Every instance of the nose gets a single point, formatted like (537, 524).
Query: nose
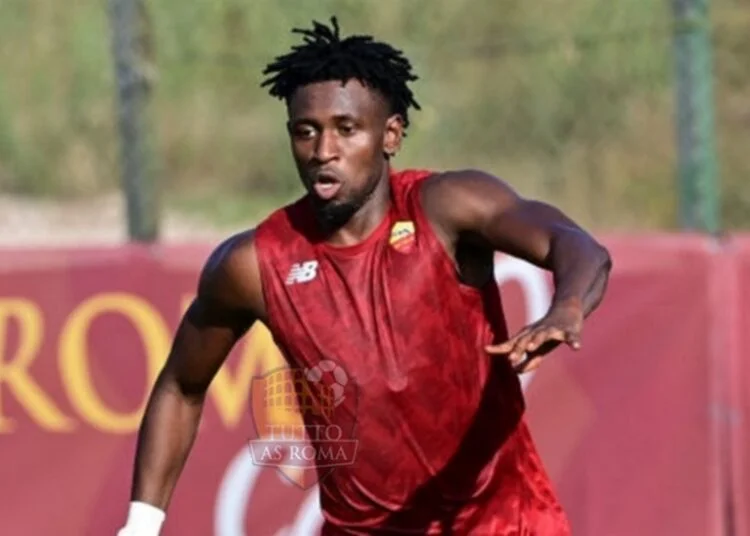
(326, 148)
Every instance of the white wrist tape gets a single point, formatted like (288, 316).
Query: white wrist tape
(143, 520)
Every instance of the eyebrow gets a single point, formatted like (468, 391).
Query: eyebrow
(336, 118)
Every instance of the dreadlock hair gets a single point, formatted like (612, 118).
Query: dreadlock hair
(325, 56)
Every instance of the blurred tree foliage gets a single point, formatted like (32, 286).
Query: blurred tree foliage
(570, 101)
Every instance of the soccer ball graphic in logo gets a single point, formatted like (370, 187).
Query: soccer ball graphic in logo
(332, 376)
(303, 427)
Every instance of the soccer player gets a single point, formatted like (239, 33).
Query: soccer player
(389, 274)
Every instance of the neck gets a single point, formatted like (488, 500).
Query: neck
(367, 218)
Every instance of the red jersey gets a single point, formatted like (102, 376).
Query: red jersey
(442, 446)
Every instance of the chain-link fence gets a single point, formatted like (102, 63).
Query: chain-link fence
(572, 102)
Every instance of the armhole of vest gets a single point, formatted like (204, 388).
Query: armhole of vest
(434, 238)
(264, 276)
(489, 292)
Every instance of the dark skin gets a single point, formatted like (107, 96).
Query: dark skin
(348, 134)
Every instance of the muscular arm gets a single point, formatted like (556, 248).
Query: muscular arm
(485, 211)
(228, 301)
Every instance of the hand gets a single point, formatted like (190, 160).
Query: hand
(563, 323)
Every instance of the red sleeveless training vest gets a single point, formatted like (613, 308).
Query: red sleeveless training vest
(441, 444)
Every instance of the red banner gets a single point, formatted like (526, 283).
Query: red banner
(625, 426)
(736, 419)
(642, 430)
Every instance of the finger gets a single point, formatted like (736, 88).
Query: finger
(541, 337)
(573, 338)
(507, 346)
(519, 351)
(503, 348)
(545, 348)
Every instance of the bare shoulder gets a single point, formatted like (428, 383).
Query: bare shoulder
(473, 178)
(231, 277)
(460, 199)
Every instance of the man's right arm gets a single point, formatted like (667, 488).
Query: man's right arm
(228, 301)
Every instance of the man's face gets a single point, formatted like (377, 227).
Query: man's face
(340, 136)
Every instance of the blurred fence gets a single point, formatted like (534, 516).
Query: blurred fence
(571, 102)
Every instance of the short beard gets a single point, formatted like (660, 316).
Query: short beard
(333, 216)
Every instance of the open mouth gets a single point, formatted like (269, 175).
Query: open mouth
(326, 186)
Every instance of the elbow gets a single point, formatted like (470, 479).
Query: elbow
(179, 386)
(599, 260)
(603, 259)
(584, 247)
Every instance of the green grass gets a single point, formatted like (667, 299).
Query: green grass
(571, 101)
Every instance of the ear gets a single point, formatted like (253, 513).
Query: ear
(394, 133)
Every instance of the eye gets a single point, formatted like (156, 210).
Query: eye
(304, 132)
(347, 129)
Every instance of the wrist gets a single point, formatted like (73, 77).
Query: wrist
(143, 520)
(566, 302)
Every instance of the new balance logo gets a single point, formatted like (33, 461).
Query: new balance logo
(302, 272)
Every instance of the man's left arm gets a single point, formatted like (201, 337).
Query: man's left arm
(481, 209)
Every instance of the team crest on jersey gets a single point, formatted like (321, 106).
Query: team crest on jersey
(403, 237)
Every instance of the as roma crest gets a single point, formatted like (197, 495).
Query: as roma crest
(304, 420)
(403, 237)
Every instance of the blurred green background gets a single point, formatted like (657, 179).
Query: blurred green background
(570, 101)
